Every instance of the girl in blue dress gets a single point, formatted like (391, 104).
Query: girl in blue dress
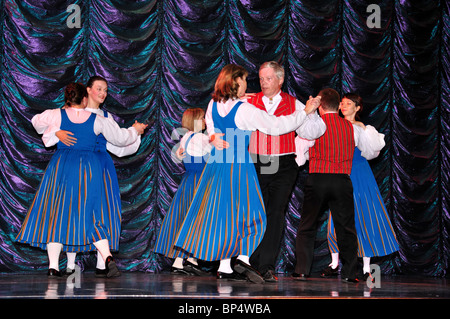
(65, 213)
(376, 236)
(227, 217)
(196, 147)
(97, 89)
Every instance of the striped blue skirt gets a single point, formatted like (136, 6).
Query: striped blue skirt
(376, 236)
(66, 207)
(176, 214)
(110, 213)
(227, 216)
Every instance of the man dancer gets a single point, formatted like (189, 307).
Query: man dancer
(329, 186)
(274, 158)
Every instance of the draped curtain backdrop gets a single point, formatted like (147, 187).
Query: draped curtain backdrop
(161, 57)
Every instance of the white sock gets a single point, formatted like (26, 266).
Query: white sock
(193, 260)
(53, 251)
(366, 265)
(244, 258)
(71, 260)
(100, 261)
(334, 260)
(178, 263)
(225, 266)
(103, 247)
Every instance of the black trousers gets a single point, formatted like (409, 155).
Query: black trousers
(277, 176)
(333, 191)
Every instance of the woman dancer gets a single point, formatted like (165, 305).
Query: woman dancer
(196, 148)
(375, 234)
(226, 217)
(65, 213)
(97, 89)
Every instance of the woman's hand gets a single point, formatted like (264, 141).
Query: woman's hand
(66, 137)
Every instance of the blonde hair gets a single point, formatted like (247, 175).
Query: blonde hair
(190, 116)
(226, 86)
(278, 69)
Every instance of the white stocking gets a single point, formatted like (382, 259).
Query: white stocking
(53, 251)
(71, 260)
(225, 266)
(103, 247)
(334, 260)
(100, 261)
(366, 265)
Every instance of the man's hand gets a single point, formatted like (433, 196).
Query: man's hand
(312, 104)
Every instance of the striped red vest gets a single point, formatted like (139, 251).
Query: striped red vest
(333, 151)
(264, 144)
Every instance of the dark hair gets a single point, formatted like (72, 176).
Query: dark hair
(330, 99)
(355, 98)
(94, 78)
(226, 86)
(74, 94)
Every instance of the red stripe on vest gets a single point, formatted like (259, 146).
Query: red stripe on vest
(333, 151)
(264, 144)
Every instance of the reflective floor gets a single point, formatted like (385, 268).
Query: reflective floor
(167, 286)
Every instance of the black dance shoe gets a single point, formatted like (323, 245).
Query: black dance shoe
(100, 273)
(111, 267)
(53, 273)
(194, 269)
(299, 277)
(179, 271)
(329, 272)
(350, 280)
(234, 276)
(69, 272)
(269, 276)
(248, 271)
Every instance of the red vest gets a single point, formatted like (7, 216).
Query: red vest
(333, 151)
(264, 144)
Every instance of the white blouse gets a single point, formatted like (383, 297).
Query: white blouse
(49, 122)
(249, 117)
(369, 141)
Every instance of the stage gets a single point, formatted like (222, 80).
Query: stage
(139, 285)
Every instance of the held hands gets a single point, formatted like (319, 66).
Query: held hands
(66, 137)
(140, 127)
(312, 104)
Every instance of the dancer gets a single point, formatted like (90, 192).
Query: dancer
(226, 217)
(196, 148)
(276, 184)
(97, 89)
(329, 185)
(374, 231)
(65, 213)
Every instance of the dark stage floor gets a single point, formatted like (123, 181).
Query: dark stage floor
(167, 286)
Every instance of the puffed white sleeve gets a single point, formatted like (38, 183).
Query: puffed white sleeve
(370, 141)
(113, 133)
(302, 147)
(121, 151)
(313, 127)
(249, 117)
(48, 123)
(208, 119)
